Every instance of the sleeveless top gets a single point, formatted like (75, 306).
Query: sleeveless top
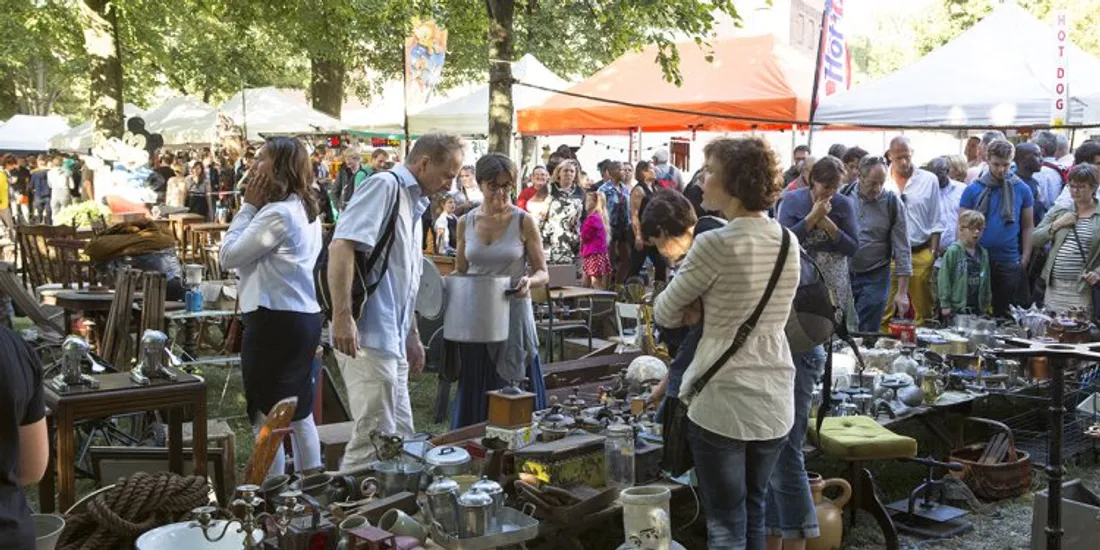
(645, 200)
(506, 256)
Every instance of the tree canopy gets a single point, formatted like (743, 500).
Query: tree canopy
(333, 48)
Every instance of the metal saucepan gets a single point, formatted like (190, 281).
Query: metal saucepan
(477, 308)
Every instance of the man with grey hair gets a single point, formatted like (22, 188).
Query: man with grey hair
(668, 176)
(1007, 204)
(920, 191)
(1062, 153)
(1049, 177)
(380, 346)
(987, 138)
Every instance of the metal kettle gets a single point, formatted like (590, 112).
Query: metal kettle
(476, 509)
(443, 504)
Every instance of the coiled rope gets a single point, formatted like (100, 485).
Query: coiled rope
(118, 516)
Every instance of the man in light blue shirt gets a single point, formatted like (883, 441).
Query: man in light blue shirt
(382, 347)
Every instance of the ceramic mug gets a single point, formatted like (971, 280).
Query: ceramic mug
(646, 517)
(402, 525)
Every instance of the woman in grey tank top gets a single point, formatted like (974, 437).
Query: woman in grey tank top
(498, 238)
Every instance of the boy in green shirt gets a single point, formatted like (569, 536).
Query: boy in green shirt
(964, 279)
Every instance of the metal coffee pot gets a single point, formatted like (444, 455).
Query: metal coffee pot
(443, 504)
(476, 509)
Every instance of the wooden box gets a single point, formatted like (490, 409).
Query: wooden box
(511, 410)
(574, 459)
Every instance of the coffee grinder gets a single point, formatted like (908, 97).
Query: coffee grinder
(153, 360)
(74, 350)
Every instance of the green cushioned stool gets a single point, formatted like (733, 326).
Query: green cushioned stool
(855, 439)
(858, 438)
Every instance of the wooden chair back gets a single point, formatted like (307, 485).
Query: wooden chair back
(41, 265)
(75, 270)
(154, 288)
(117, 347)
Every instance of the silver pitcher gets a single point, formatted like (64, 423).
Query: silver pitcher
(476, 509)
(494, 490)
(443, 504)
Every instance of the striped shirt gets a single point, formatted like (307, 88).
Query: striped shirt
(1068, 264)
(751, 398)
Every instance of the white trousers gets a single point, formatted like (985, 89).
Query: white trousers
(378, 395)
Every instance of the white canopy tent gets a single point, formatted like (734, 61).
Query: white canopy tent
(270, 111)
(998, 73)
(30, 134)
(469, 114)
(79, 138)
(183, 120)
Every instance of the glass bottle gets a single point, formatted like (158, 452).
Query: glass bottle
(618, 453)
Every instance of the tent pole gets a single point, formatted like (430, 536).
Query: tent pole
(244, 114)
(405, 92)
(817, 71)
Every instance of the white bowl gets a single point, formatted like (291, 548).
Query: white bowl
(181, 536)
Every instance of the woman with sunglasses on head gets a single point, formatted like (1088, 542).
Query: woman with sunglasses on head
(273, 245)
(498, 238)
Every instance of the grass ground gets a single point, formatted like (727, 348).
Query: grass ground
(1004, 525)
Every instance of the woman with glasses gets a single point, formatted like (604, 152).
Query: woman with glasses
(1073, 264)
(498, 238)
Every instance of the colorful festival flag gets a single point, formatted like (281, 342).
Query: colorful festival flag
(836, 59)
(425, 52)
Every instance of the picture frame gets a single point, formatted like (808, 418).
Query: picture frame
(111, 463)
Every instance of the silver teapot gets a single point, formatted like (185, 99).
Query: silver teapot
(443, 504)
(476, 509)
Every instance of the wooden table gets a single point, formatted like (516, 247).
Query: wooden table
(116, 395)
(98, 303)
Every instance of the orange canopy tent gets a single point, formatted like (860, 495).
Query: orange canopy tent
(763, 84)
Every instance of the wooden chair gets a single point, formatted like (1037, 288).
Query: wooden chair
(75, 271)
(553, 317)
(39, 265)
(50, 324)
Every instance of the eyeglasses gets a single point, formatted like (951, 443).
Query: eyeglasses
(494, 188)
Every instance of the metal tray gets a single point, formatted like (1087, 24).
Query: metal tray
(516, 528)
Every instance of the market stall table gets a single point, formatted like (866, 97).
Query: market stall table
(117, 394)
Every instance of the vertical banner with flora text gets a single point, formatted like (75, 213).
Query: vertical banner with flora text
(836, 60)
(1059, 106)
(425, 52)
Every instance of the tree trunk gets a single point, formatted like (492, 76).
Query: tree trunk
(105, 66)
(326, 85)
(528, 153)
(501, 50)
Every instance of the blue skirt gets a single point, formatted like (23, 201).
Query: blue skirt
(479, 375)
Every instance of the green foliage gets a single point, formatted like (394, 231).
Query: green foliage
(890, 45)
(41, 59)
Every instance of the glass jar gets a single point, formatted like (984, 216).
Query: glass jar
(618, 455)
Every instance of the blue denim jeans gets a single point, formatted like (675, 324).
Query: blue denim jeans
(870, 291)
(733, 479)
(790, 506)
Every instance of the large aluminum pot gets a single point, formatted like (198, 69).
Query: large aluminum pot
(477, 309)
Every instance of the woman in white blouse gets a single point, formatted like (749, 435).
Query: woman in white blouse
(273, 245)
(743, 414)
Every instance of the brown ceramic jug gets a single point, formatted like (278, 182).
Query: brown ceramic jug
(829, 512)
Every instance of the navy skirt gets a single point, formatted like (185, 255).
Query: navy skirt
(277, 356)
(479, 375)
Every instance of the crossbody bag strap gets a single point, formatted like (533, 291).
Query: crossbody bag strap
(747, 327)
(1077, 239)
(385, 243)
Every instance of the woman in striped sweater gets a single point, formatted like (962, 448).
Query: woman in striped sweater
(742, 416)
